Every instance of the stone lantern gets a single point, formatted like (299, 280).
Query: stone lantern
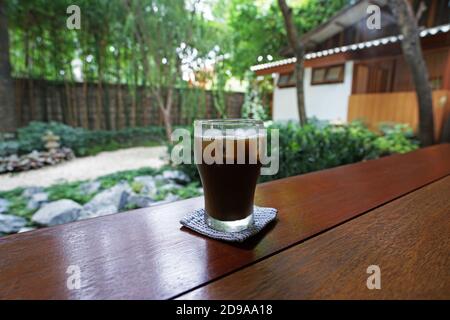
(51, 141)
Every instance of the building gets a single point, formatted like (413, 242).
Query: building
(353, 72)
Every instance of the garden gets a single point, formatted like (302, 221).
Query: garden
(315, 146)
(28, 149)
(109, 88)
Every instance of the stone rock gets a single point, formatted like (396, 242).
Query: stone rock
(144, 179)
(90, 187)
(34, 160)
(138, 201)
(4, 205)
(57, 212)
(26, 229)
(170, 186)
(37, 200)
(169, 198)
(103, 211)
(176, 176)
(149, 185)
(115, 197)
(30, 191)
(10, 223)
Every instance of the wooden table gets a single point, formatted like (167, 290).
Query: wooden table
(393, 212)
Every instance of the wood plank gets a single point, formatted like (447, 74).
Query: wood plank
(407, 238)
(146, 254)
(399, 107)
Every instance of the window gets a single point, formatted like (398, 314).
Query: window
(286, 80)
(327, 75)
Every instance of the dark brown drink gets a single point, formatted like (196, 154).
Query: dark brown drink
(229, 188)
(229, 162)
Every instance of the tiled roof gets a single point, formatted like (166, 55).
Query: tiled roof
(352, 47)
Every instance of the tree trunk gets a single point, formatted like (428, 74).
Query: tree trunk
(445, 135)
(165, 108)
(99, 115)
(414, 59)
(167, 116)
(119, 102)
(167, 123)
(31, 114)
(76, 114)
(144, 39)
(299, 51)
(7, 112)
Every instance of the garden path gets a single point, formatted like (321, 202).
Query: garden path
(88, 167)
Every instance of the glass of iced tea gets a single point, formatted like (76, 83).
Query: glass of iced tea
(228, 157)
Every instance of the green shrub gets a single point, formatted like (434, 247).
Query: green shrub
(68, 191)
(30, 137)
(102, 140)
(137, 186)
(189, 191)
(8, 147)
(318, 146)
(396, 138)
(18, 204)
(83, 142)
(111, 180)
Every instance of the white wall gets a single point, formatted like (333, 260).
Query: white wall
(324, 101)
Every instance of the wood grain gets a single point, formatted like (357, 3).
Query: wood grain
(146, 254)
(408, 238)
(399, 107)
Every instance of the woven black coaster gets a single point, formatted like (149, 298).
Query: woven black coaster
(261, 217)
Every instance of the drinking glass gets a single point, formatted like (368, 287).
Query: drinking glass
(227, 154)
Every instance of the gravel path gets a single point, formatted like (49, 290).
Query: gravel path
(87, 167)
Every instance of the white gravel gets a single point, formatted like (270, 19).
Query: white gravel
(88, 167)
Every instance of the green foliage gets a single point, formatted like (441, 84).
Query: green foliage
(8, 147)
(253, 107)
(18, 204)
(83, 142)
(396, 138)
(255, 32)
(102, 140)
(111, 180)
(116, 37)
(189, 191)
(68, 191)
(137, 186)
(71, 190)
(193, 103)
(259, 30)
(30, 137)
(318, 146)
